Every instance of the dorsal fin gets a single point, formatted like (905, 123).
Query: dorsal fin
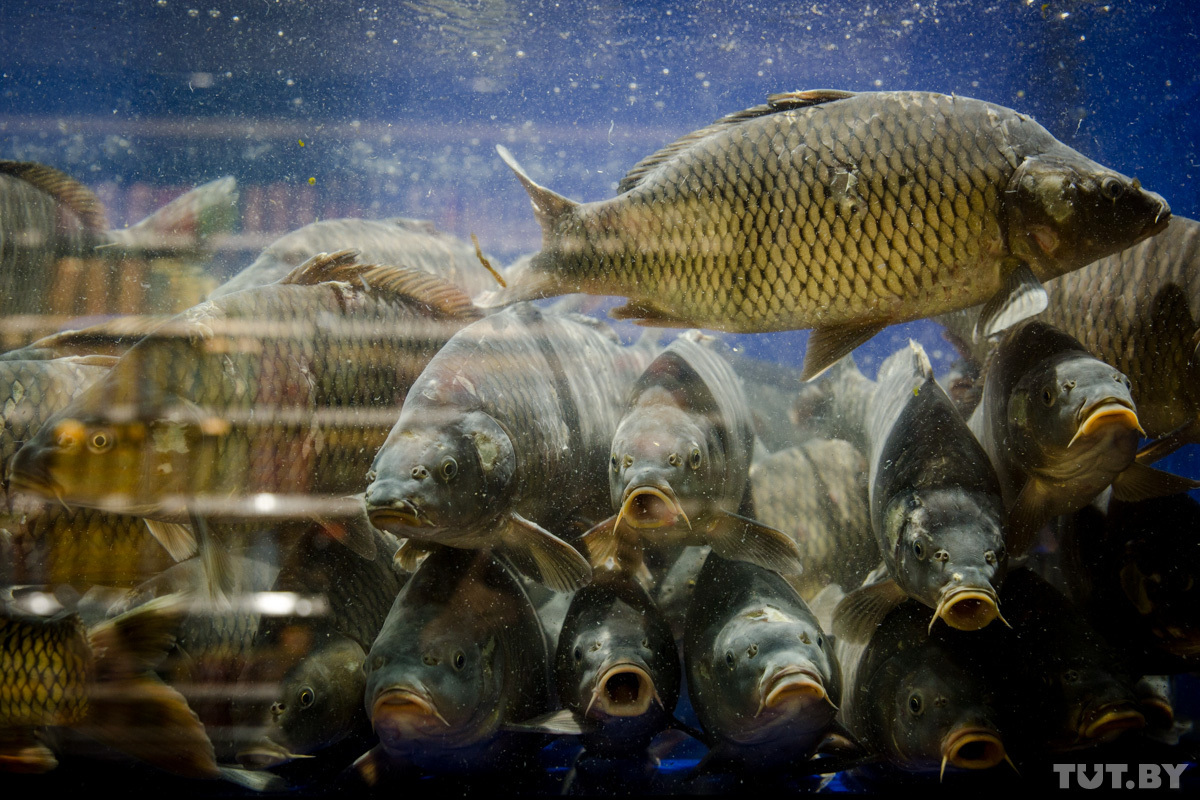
(775, 103)
(439, 296)
(63, 188)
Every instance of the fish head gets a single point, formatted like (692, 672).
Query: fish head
(662, 472)
(773, 672)
(1092, 703)
(616, 658)
(438, 687)
(950, 553)
(319, 698)
(455, 475)
(1071, 413)
(1064, 211)
(933, 711)
(119, 457)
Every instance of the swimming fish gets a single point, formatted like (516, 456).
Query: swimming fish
(761, 673)
(917, 699)
(267, 403)
(56, 246)
(1059, 427)
(1139, 311)
(679, 466)
(835, 405)
(460, 655)
(505, 437)
(843, 212)
(936, 506)
(616, 665)
(816, 493)
(410, 242)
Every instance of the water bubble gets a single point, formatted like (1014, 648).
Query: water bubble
(193, 12)
(214, 13)
(162, 3)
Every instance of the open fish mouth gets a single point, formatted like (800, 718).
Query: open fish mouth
(651, 507)
(624, 690)
(401, 514)
(794, 686)
(403, 708)
(1112, 720)
(972, 747)
(968, 609)
(1110, 412)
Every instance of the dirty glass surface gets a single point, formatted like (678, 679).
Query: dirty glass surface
(211, 482)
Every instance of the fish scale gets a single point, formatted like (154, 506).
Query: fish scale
(45, 668)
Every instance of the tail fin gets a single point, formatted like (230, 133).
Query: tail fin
(186, 222)
(548, 207)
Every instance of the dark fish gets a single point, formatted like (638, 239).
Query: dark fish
(460, 655)
(835, 405)
(673, 593)
(816, 493)
(268, 403)
(761, 673)
(919, 700)
(1059, 426)
(679, 468)
(1138, 310)
(506, 431)
(935, 503)
(410, 242)
(55, 245)
(616, 666)
(843, 212)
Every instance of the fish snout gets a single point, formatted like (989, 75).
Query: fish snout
(29, 471)
(792, 686)
(404, 713)
(1108, 721)
(972, 747)
(651, 505)
(1111, 414)
(968, 603)
(624, 690)
(390, 507)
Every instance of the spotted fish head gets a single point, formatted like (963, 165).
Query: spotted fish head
(663, 473)
(1064, 211)
(950, 553)
(455, 475)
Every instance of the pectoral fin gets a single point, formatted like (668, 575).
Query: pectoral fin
(542, 556)
(410, 554)
(827, 346)
(602, 542)
(1140, 482)
(1021, 297)
(20, 751)
(861, 611)
(178, 540)
(741, 539)
(650, 314)
(1189, 433)
(1029, 513)
(558, 723)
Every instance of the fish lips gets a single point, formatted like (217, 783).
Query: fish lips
(972, 747)
(793, 687)
(29, 471)
(1109, 721)
(968, 608)
(625, 689)
(649, 506)
(400, 714)
(1104, 416)
(397, 516)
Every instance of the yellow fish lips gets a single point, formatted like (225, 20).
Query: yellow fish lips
(400, 714)
(647, 507)
(1106, 415)
(624, 690)
(972, 747)
(792, 686)
(400, 514)
(1113, 720)
(968, 608)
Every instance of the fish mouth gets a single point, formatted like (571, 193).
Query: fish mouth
(624, 690)
(403, 709)
(1157, 711)
(1101, 415)
(646, 507)
(968, 609)
(972, 747)
(794, 686)
(1111, 721)
(400, 514)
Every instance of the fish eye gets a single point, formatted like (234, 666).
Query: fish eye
(306, 697)
(820, 641)
(916, 704)
(1112, 189)
(674, 460)
(752, 650)
(729, 658)
(1047, 397)
(578, 654)
(449, 469)
(100, 441)
(460, 660)
(919, 549)
(615, 465)
(694, 458)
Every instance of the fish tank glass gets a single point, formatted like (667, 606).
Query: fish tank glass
(434, 392)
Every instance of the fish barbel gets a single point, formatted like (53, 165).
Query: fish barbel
(842, 212)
